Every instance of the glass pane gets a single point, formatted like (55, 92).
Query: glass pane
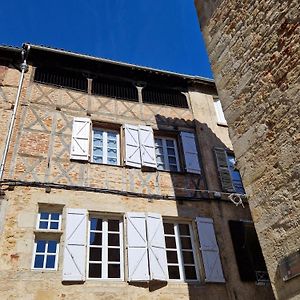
(168, 228)
(95, 254)
(95, 270)
(44, 215)
(184, 229)
(98, 160)
(112, 152)
(172, 160)
(96, 224)
(186, 243)
(113, 271)
(98, 134)
(50, 262)
(190, 272)
(55, 216)
(158, 142)
(39, 261)
(97, 151)
(174, 272)
(170, 143)
(111, 135)
(112, 144)
(160, 166)
(160, 159)
(112, 161)
(113, 239)
(159, 151)
(113, 225)
(173, 168)
(52, 246)
(170, 242)
(172, 257)
(40, 246)
(188, 257)
(43, 225)
(54, 225)
(171, 151)
(113, 254)
(95, 238)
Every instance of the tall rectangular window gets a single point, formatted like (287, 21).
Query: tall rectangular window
(45, 255)
(219, 111)
(166, 154)
(106, 148)
(235, 174)
(105, 255)
(180, 252)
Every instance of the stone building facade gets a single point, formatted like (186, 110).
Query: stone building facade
(254, 52)
(117, 184)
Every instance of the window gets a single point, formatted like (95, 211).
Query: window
(49, 220)
(166, 154)
(235, 174)
(106, 147)
(45, 255)
(105, 255)
(180, 252)
(219, 111)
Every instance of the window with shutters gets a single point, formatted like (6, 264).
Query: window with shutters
(106, 148)
(181, 258)
(166, 154)
(105, 248)
(235, 174)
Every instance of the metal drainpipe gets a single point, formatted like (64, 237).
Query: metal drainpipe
(24, 69)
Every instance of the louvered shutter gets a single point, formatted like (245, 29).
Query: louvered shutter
(132, 149)
(80, 139)
(137, 247)
(209, 250)
(157, 248)
(75, 245)
(190, 152)
(146, 138)
(223, 169)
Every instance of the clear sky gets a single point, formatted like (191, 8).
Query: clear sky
(161, 34)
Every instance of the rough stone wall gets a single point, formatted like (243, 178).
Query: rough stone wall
(254, 51)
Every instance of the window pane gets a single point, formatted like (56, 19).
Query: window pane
(95, 254)
(184, 229)
(170, 143)
(186, 243)
(112, 144)
(113, 225)
(173, 168)
(171, 151)
(95, 238)
(158, 142)
(188, 257)
(98, 160)
(96, 224)
(172, 160)
(170, 242)
(55, 216)
(168, 228)
(95, 270)
(52, 246)
(113, 254)
(113, 239)
(112, 161)
(172, 257)
(43, 225)
(112, 135)
(44, 215)
(97, 151)
(50, 262)
(39, 261)
(160, 159)
(40, 246)
(190, 272)
(54, 225)
(113, 271)
(174, 272)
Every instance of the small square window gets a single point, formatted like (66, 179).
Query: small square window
(45, 255)
(49, 220)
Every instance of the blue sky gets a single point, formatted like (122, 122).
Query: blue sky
(162, 34)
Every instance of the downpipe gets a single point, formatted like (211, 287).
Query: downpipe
(24, 69)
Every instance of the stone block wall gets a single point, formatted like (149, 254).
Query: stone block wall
(254, 51)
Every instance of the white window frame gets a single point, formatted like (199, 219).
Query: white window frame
(45, 254)
(219, 112)
(165, 153)
(105, 246)
(104, 150)
(179, 250)
(48, 220)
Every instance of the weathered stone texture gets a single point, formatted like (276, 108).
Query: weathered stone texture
(254, 50)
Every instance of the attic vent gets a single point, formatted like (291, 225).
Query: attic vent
(67, 79)
(115, 89)
(164, 97)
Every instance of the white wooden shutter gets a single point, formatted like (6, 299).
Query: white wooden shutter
(75, 245)
(80, 139)
(157, 248)
(132, 150)
(190, 152)
(223, 169)
(147, 145)
(137, 247)
(210, 250)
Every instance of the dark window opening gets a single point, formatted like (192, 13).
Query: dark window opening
(164, 97)
(115, 89)
(249, 257)
(67, 79)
